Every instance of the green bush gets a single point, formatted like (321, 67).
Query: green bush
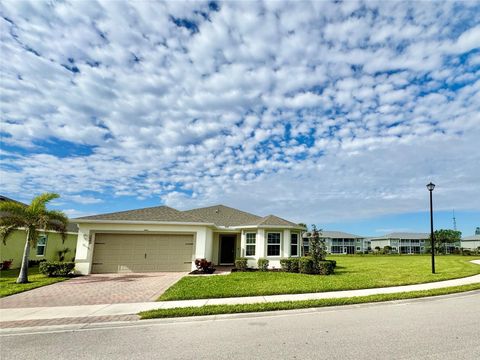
(52, 269)
(262, 264)
(334, 263)
(241, 264)
(289, 265)
(306, 265)
(325, 267)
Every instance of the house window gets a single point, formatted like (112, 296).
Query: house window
(41, 244)
(273, 244)
(306, 246)
(359, 248)
(294, 245)
(250, 246)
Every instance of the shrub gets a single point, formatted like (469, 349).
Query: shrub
(289, 265)
(61, 254)
(262, 264)
(32, 263)
(204, 265)
(306, 265)
(334, 263)
(52, 269)
(325, 267)
(6, 264)
(241, 264)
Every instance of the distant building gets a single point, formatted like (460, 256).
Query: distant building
(477, 231)
(402, 242)
(471, 242)
(338, 242)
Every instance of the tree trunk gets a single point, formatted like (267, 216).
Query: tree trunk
(23, 276)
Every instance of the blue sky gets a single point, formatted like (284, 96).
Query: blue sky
(334, 113)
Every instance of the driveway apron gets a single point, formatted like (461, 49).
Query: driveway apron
(96, 289)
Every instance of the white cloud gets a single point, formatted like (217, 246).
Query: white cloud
(313, 111)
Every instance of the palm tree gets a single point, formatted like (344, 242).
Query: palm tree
(33, 218)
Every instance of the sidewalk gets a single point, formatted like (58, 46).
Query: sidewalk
(89, 313)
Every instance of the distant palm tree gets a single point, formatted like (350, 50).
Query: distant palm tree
(33, 218)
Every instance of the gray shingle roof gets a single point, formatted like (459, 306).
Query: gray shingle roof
(272, 220)
(404, 235)
(156, 213)
(222, 215)
(339, 235)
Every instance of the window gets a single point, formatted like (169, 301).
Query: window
(41, 244)
(294, 245)
(306, 246)
(359, 248)
(273, 244)
(251, 239)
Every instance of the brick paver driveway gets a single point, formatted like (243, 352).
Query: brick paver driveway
(96, 289)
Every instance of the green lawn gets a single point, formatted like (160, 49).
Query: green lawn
(302, 304)
(352, 272)
(9, 287)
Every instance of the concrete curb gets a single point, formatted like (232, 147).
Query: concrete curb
(20, 314)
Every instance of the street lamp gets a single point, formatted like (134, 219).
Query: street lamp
(430, 188)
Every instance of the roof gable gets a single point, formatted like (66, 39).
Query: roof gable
(222, 215)
(272, 220)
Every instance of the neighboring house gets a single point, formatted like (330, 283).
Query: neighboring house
(403, 243)
(49, 244)
(338, 242)
(165, 239)
(471, 242)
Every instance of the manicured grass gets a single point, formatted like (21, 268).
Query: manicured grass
(352, 272)
(304, 304)
(9, 287)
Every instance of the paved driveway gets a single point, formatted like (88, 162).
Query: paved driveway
(96, 289)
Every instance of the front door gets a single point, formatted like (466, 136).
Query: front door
(227, 249)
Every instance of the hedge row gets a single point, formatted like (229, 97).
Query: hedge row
(306, 265)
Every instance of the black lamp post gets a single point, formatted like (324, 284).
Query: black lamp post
(430, 188)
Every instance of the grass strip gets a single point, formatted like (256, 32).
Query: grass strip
(302, 304)
(352, 272)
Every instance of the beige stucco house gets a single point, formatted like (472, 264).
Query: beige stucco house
(165, 239)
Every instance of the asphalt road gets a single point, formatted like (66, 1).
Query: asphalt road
(435, 328)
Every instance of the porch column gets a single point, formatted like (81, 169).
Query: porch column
(260, 243)
(243, 243)
(286, 243)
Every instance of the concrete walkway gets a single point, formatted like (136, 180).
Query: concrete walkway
(112, 310)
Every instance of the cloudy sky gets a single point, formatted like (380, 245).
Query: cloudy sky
(330, 113)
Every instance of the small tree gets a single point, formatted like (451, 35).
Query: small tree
(33, 218)
(445, 237)
(317, 246)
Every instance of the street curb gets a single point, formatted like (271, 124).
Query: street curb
(220, 317)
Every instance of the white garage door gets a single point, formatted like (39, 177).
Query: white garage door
(115, 253)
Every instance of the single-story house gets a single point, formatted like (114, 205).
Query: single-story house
(162, 238)
(49, 244)
(471, 242)
(402, 242)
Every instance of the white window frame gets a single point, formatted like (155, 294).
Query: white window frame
(247, 244)
(41, 246)
(279, 244)
(297, 244)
